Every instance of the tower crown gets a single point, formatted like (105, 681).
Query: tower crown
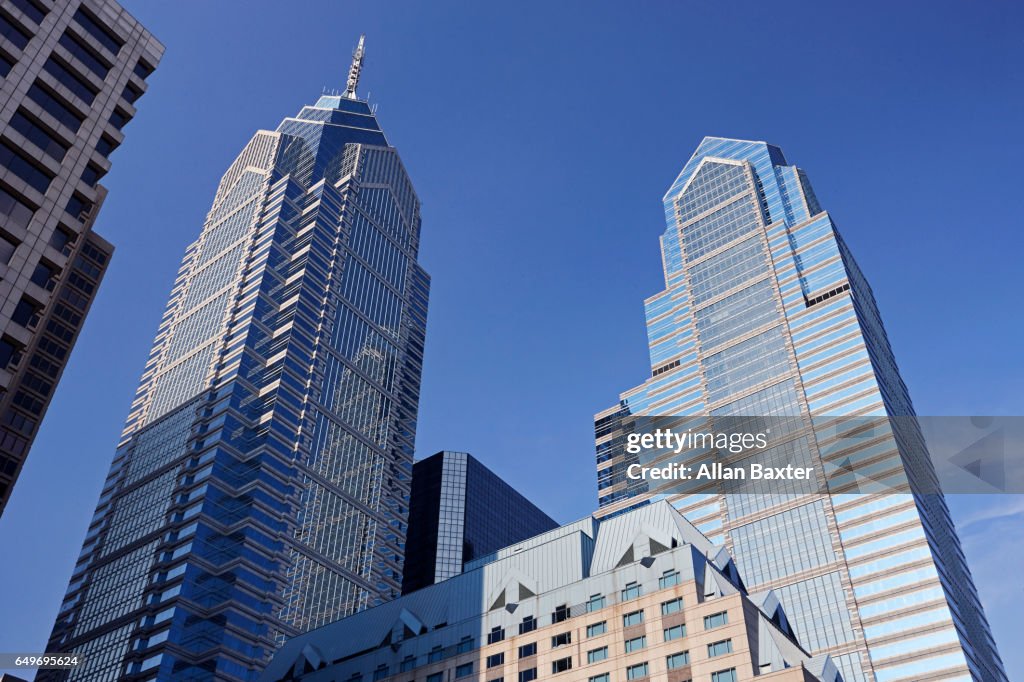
(356, 69)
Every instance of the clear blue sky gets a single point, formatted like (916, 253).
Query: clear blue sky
(541, 137)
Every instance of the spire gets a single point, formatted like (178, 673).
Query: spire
(355, 69)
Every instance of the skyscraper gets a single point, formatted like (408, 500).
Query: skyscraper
(71, 75)
(261, 485)
(765, 312)
(460, 511)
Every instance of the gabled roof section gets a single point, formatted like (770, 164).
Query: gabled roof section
(723, 148)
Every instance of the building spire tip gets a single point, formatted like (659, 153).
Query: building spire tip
(356, 69)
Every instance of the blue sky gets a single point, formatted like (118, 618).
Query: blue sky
(541, 137)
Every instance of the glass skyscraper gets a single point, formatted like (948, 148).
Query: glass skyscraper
(459, 512)
(765, 312)
(71, 75)
(260, 488)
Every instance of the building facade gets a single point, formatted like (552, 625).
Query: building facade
(460, 511)
(765, 313)
(72, 73)
(261, 485)
(642, 596)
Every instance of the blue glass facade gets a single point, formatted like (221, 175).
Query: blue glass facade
(261, 485)
(765, 313)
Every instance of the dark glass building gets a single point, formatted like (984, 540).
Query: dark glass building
(460, 511)
(260, 488)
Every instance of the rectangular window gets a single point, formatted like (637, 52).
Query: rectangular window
(105, 36)
(142, 70)
(595, 602)
(716, 620)
(725, 676)
(494, 660)
(25, 313)
(34, 177)
(14, 210)
(672, 606)
(435, 655)
(634, 618)
(436, 677)
(528, 650)
(720, 648)
(529, 624)
(118, 119)
(603, 677)
(54, 107)
(30, 9)
(70, 80)
(675, 632)
(466, 644)
(131, 93)
(631, 591)
(407, 664)
(636, 644)
(668, 579)
(92, 174)
(7, 247)
(636, 672)
(678, 660)
(561, 665)
(595, 655)
(496, 634)
(596, 629)
(84, 54)
(39, 136)
(13, 33)
(380, 673)
(561, 640)
(464, 670)
(528, 675)
(560, 614)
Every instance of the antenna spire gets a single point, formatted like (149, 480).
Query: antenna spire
(355, 69)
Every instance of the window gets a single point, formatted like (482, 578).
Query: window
(118, 119)
(54, 107)
(675, 632)
(720, 648)
(603, 677)
(716, 620)
(466, 644)
(529, 624)
(30, 9)
(668, 579)
(142, 70)
(631, 591)
(105, 146)
(92, 174)
(13, 33)
(39, 136)
(435, 654)
(595, 602)
(34, 177)
(407, 664)
(528, 675)
(528, 650)
(7, 247)
(561, 665)
(79, 207)
(561, 640)
(84, 54)
(25, 313)
(101, 33)
(436, 677)
(560, 614)
(634, 618)
(597, 629)
(494, 660)
(70, 80)
(672, 606)
(636, 644)
(7, 352)
(380, 673)
(496, 634)
(635, 672)
(725, 676)
(595, 655)
(131, 93)
(43, 275)
(464, 670)
(678, 660)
